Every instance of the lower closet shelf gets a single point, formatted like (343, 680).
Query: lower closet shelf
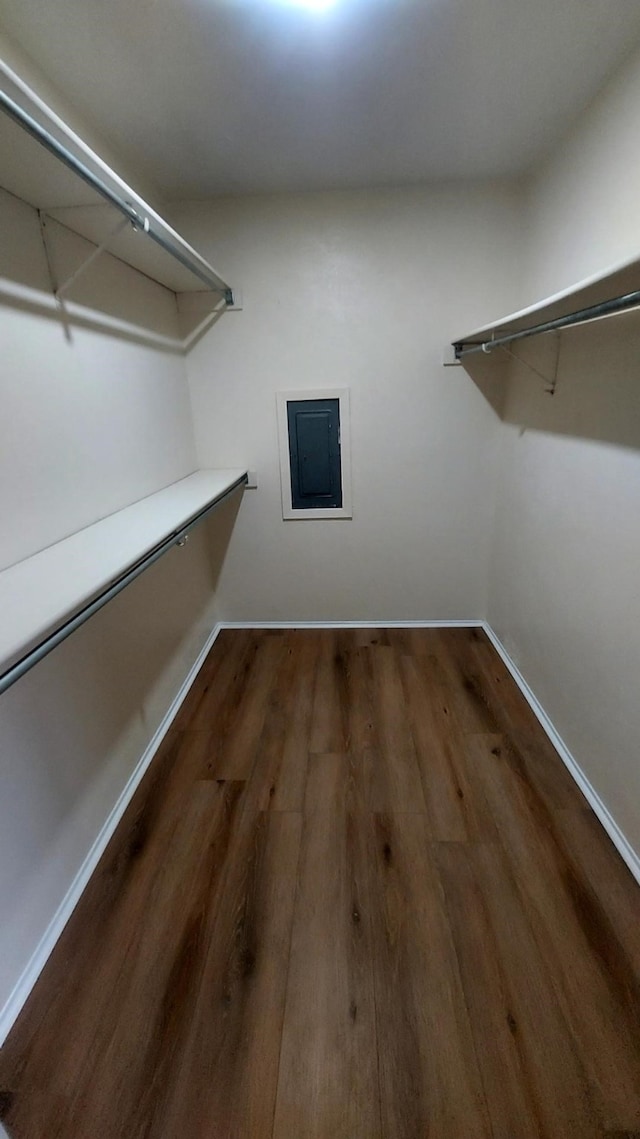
(46, 596)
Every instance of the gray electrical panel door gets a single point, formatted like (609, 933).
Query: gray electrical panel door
(314, 453)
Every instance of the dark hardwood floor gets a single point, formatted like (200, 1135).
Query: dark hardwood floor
(357, 896)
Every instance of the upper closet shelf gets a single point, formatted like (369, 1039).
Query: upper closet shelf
(43, 162)
(615, 291)
(47, 596)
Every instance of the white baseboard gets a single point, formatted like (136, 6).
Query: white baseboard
(619, 840)
(10, 1011)
(352, 624)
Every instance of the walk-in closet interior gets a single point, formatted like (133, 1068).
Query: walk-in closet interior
(319, 569)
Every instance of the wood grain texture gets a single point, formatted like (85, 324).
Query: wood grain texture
(510, 996)
(456, 811)
(594, 980)
(395, 777)
(224, 1075)
(328, 1065)
(429, 1077)
(356, 895)
(329, 724)
(280, 772)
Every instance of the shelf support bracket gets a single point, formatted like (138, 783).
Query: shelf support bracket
(53, 281)
(551, 381)
(93, 256)
(210, 319)
(42, 220)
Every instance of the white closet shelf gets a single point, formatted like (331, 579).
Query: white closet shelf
(64, 584)
(30, 132)
(617, 288)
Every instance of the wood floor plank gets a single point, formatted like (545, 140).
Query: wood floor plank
(592, 855)
(429, 1077)
(512, 1004)
(596, 985)
(336, 783)
(457, 811)
(356, 894)
(414, 641)
(459, 674)
(223, 1081)
(482, 659)
(279, 774)
(155, 994)
(538, 763)
(361, 638)
(362, 726)
(328, 1083)
(238, 726)
(329, 725)
(395, 783)
(115, 1029)
(495, 690)
(220, 679)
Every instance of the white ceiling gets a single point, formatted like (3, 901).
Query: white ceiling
(215, 96)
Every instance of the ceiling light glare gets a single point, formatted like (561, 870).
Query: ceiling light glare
(311, 5)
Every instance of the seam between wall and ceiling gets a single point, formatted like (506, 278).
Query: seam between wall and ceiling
(18, 997)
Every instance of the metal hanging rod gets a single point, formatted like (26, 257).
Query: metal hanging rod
(464, 348)
(178, 538)
(139, 222)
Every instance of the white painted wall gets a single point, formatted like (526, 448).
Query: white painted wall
(89, 424)
(565, 576)
(357, 290)
(583, 202)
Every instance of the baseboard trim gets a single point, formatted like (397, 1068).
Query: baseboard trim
(619, 840)
(13, 1006)
(454, 624)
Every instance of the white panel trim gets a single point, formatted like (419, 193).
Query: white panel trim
(619, 840)
(13, 1006)
(316, 513)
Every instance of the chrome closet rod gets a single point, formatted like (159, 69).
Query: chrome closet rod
(603, 308)
(41, 650)
(50, 143)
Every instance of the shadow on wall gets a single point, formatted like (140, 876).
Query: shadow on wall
(108, 291)
(75, 726)
(217, 533)
(597, 381)
(109, 296)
